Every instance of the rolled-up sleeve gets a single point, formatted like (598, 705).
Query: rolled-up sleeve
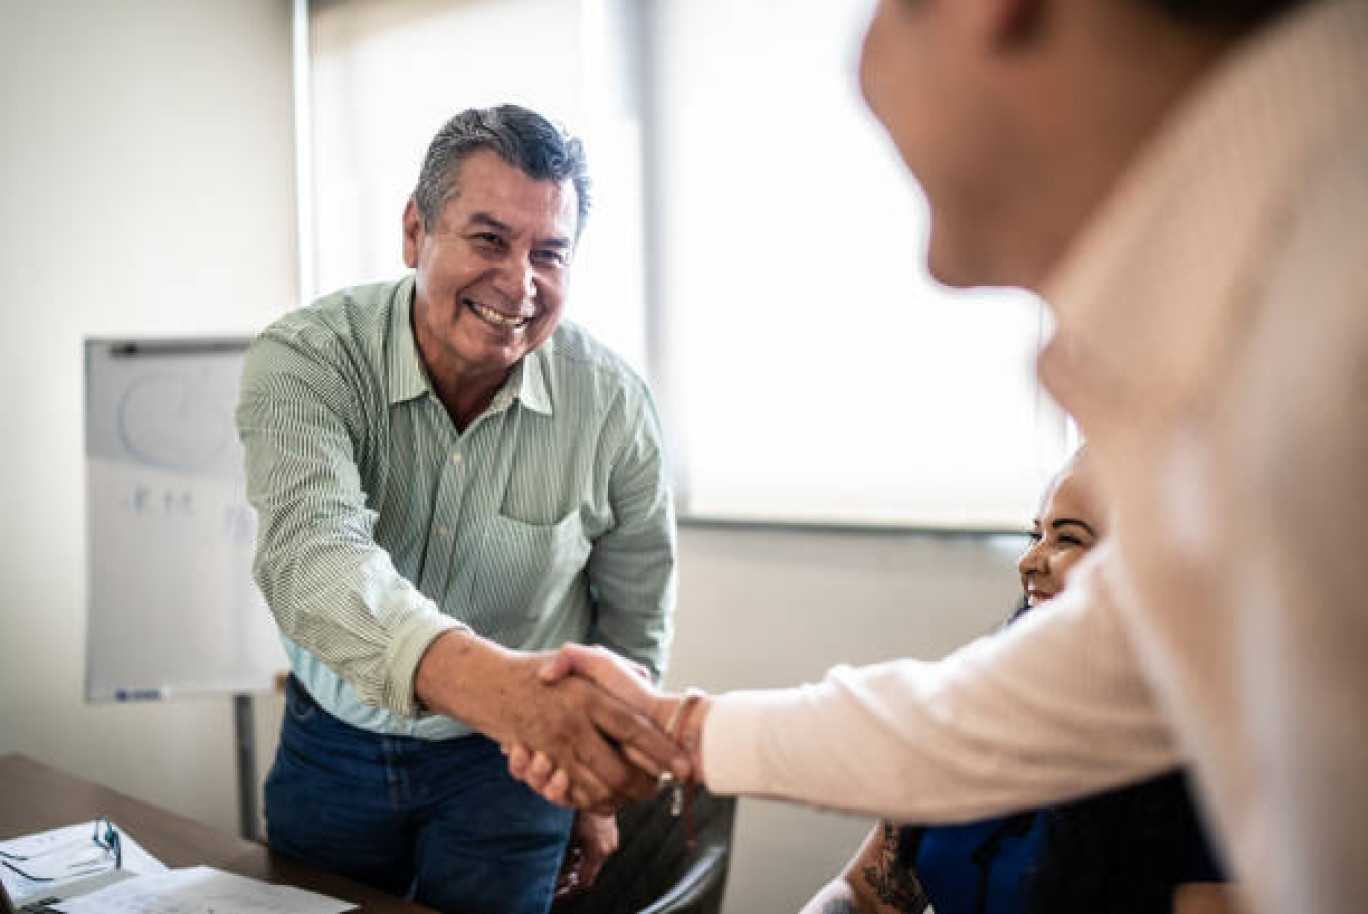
(334, 592)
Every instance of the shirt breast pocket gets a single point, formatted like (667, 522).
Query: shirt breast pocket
(526, 570)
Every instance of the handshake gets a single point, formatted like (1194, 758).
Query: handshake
(637, 737)
(581, 726)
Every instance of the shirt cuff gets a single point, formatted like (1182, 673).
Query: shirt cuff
(407, 647)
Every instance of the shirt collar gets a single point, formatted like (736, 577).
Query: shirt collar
(1158, 284)
(529, 382)
(407, 377)
(534, 387)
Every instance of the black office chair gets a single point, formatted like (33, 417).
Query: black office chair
(653, 871)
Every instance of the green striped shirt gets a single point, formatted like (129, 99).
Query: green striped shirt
(549, 519)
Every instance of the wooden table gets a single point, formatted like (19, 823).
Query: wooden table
(35, 797)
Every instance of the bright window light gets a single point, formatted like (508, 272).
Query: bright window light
(816, 373)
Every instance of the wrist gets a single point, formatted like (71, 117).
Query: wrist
(683, 717)
(453, 672)
(692, 736)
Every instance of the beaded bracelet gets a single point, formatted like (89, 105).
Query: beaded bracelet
(682, 799)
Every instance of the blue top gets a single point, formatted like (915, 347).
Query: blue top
(1137, 843)
(955, 864)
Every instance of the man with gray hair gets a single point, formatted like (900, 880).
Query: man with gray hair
(450, 480)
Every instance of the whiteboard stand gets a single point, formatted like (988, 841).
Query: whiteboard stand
(245, 723)
(171, 605)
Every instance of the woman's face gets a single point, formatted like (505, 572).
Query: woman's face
(1071, 522)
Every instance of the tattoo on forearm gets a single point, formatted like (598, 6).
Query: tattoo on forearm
(894, 885)
(838, 906)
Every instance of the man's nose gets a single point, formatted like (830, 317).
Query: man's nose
(515, 279)
(1030, 560)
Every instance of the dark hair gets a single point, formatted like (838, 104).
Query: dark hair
(1122, 852)
(1221, 14)
(520, 136)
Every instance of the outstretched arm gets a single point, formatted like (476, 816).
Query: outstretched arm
(1054, 707)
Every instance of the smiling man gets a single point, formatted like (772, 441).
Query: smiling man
(449, 479)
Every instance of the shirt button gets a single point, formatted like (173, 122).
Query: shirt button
(443, 530)
(456, 457)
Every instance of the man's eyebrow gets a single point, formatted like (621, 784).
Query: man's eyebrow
(485, 219)
(1065, 521)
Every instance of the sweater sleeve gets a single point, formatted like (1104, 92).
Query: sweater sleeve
(1051, 708)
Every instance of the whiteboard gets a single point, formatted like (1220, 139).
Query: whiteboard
(171, 606)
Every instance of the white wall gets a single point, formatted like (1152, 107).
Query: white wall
(146, 189)
(762, 609)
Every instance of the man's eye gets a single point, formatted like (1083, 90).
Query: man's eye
(489, 238)
(552, 257)
(1068, 540)
(1034, 536)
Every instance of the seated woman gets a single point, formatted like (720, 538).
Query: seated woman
(1132, 851)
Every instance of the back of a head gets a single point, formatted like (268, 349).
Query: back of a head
(519, 136)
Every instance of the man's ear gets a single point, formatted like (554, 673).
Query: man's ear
(413, 233)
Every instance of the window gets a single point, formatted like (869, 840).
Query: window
(815, 371)
(754, 245)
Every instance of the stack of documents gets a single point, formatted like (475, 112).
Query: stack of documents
(69, 871)
(202, 889)
(68, 861)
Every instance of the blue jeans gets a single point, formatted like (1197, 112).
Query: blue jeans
(440, 822)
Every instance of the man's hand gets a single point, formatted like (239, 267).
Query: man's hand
(593, 839)
(625, 680)
(580, 728)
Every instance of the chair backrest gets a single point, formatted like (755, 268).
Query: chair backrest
(654, 872)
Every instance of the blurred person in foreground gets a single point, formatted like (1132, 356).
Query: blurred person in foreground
(1186, 185)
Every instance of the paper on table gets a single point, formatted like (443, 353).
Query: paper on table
(28, 846)
(63, 857)
(202, 890)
